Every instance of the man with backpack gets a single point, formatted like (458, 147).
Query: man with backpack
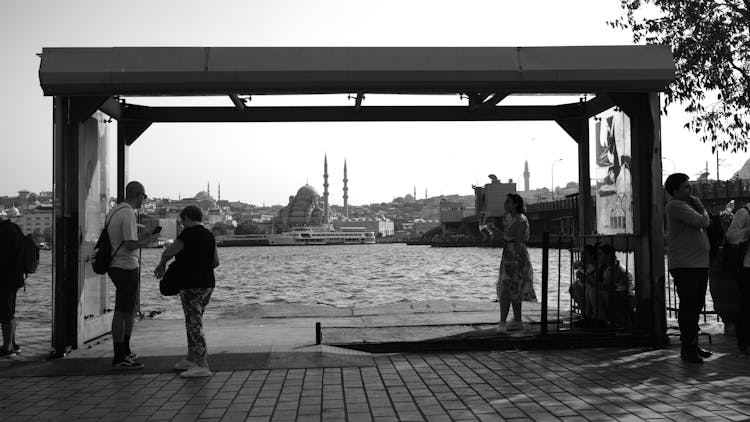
(736, 238)
(124, 271)
(11, 279)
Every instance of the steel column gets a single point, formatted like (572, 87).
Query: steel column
(66, 234)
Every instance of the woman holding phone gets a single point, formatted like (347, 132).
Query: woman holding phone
(195, 256)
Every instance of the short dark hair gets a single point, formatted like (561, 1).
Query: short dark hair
(518, 202)
(132, 190)
(674, 181)
(589, 249)
(192, 212)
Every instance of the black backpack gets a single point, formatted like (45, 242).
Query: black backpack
(28, 254)
(102, 257)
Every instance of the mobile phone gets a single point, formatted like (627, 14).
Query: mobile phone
(157, 229)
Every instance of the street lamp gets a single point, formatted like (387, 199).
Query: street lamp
(674, 168)
(553, 176)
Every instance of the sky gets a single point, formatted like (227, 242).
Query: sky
(264, 163)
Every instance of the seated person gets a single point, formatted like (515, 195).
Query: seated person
(612, 300)
(585, 278)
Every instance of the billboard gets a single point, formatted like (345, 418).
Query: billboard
(614, 185)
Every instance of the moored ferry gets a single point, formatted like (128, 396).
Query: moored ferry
(321, 236)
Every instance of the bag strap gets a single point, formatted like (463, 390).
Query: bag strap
(106, 226)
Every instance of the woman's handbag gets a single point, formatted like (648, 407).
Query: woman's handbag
(169, 285)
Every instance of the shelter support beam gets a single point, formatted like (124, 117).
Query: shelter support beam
(346, 114)
(67, 113)
(578, 129)
(648, 210)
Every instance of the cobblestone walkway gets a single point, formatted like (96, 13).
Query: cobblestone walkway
(589, 384)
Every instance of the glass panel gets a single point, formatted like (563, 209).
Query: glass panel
(94, 203)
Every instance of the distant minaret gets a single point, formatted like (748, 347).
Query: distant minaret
(208, 188)
(219, 192)
(425, 193)
(325, 188)
(415, 192)
(346, 192)
(526, 175)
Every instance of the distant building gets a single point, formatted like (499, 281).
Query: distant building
(451, 212)
(36, 220)
(490, 199)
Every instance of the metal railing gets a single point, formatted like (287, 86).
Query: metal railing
(562, 312)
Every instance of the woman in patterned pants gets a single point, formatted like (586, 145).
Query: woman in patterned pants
(196, 257)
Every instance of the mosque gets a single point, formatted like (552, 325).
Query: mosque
(308, 208)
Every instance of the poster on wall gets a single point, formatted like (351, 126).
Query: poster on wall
(614, 187)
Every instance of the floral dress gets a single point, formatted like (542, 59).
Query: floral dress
(516, 274)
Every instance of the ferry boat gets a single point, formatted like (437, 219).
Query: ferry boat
(321, 236)
(242, 240)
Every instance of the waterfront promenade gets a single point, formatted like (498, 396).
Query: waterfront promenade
(270, 369)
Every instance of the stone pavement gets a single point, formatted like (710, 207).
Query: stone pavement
(580, 384)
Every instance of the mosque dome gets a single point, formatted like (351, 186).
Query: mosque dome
(306, 192)
(203, 196)
(12, 212)
(409, 197)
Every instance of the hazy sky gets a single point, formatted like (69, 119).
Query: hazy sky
(267, 162)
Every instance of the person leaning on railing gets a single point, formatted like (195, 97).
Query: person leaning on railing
(688, 257)
(737, 234)
(587, 273)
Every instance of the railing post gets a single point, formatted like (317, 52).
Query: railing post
(545, 281)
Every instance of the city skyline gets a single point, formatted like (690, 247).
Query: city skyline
(385, 158)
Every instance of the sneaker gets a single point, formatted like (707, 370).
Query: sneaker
(127, 365)
(501, 327)
(184, 365)
(703, 352)
(514, 326)
(16, 348)
(5, 353)
(196, 372)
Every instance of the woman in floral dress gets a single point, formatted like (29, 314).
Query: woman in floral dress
(515, 282)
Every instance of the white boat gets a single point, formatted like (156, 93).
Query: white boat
(321, 236)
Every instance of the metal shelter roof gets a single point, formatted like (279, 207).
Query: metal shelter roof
(151, 71)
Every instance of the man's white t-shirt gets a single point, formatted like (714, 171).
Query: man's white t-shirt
(122, 227)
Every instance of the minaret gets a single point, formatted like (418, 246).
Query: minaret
(325, 188)
(526, 175)
(208, 189)
(425, 193)
(415, 192)
(346, 192)
(219, 200)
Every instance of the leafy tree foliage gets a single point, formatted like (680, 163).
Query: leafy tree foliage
(710, 41)
(247, 227)
(220, 229)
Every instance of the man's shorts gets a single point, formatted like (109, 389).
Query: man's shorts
(126, 285)
(7, 305)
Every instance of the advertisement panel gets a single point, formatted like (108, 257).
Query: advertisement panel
(614, 186)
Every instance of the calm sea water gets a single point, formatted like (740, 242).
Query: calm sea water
(340, 276)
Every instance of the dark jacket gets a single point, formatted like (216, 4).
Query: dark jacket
(195, 262)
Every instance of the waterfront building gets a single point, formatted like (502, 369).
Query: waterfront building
(36, 220)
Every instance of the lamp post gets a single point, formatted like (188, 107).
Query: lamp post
(552, 170)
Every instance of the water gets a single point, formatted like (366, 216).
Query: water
(340, 276)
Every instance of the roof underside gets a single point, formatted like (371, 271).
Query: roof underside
(152, 71)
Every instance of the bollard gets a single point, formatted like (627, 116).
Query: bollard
(318, 334)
